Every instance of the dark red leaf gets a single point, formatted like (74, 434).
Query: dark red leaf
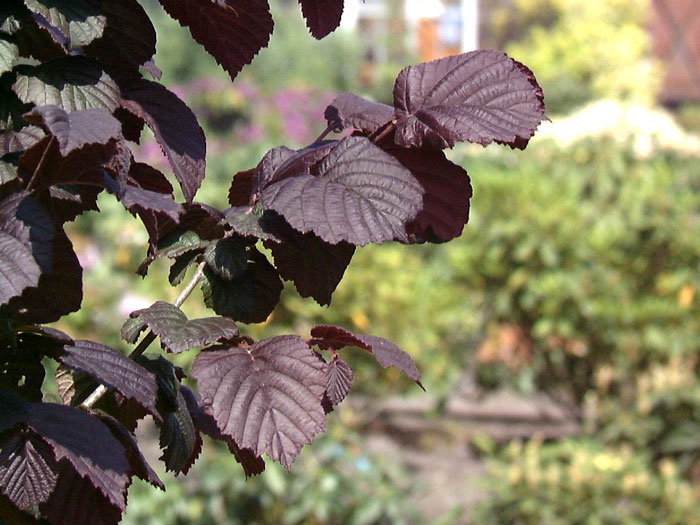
(68, 201)
(232, 31)
(340, 378)
(280, 163)
(44, 165)
(174, 126)
(26, 243)
(139, 465)
(22, 371)
(9, 513)
(205, 423)
(446, 198)
(178, 334)
(349, 110)
(76, 500)
(86, 444)
(113, 369)
(314, 266)
(482, 96)
(242, 187)
(386, 352)
(139, 201)
(146, 177)
(59, 292)
(267, 397)
(129, 39)
(322, 16)
(359, 194)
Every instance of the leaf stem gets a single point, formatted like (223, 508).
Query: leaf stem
(39, 167)
(323, 135)
(150, 336)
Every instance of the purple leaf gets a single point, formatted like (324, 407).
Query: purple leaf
(386, 352)
(59, 292)
(147, 177)
(178, 334)
(11, 514)
(139, 201)
(21, 369)
(280, 163)
(87, 444)
(340, 378)
(27, 469)
(76, 129)
(71, 24)
(299, 257)
(26, 243)
(249, 298)
(252, 464)
(139, 465)
(322, 16)
(132, 126)
(446, 198)
(174, 126)
(242, 187)
(232, 31)
(359, 194)
(14, 141)
(267, 397)
(69, 201)
(44, 165)
(129, 39)
(482, 96)
(78, 501)
(349, 110)
(113, 369)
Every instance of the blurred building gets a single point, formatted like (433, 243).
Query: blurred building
(430, 28)
(675, 29)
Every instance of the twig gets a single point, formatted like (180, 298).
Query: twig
(150, 336)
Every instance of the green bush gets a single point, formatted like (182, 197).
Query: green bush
(580, 482)
(337, 483)
(582, 50)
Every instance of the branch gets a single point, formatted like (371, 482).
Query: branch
(150, 336)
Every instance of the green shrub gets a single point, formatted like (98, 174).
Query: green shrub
(580, 482)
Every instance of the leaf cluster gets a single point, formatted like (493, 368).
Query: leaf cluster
(74, 98)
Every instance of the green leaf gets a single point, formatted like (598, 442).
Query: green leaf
(227, 258)
(8, 171)
(9, 19)
(9, 52)
(173, 246)
(72, 83)
(249, 298)
(179, 268)
(178, 334)
(72, 24)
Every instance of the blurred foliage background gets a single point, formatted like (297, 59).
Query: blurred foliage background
(577, 275)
